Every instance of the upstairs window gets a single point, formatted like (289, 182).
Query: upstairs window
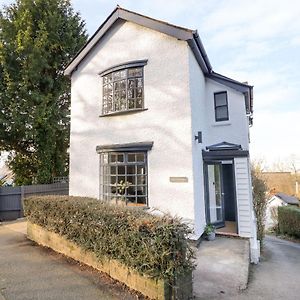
(221, 106)
(123, 88)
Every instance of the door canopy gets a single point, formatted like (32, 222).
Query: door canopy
(224, 146)
(224, 150)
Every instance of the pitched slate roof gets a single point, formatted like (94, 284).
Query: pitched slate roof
(181, 33)
(288, 199)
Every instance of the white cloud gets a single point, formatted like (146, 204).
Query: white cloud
(295, 41)
(251, 20)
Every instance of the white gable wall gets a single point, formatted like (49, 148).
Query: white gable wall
(166, 122)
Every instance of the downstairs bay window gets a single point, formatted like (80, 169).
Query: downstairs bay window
(124, 173)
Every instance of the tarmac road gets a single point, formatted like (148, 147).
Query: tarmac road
(277, 276)
(31, 272)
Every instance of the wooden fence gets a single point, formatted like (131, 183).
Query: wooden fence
(11, 198)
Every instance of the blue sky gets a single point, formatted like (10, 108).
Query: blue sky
(254, 41)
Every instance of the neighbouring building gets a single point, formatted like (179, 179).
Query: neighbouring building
(6, 176)
(154, 126)
(279, 199)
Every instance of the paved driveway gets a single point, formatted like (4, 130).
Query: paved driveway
(30, 272)
(222, 268)
(276, 277)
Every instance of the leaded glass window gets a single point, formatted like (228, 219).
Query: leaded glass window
(123, 90)
(123, 176)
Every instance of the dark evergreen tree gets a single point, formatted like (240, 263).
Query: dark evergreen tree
(37, 40)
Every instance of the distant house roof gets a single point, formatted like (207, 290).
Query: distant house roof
(185, 34)
(288, 199)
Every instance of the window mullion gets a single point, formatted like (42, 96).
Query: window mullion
(143, 88)
(125, 192)
(136, 184)
(126, 89)
(113, 91)
(103, 111)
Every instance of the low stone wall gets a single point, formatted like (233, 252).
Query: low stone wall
(152, 288)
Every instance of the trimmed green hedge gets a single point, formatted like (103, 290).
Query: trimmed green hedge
(289, 220)
(152, 245)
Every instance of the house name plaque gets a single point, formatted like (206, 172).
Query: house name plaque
(179, 179)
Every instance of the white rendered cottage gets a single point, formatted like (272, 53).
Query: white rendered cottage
(153, 125)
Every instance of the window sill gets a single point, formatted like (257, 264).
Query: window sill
(221, 123)
(137, 205)
(133, 205)
(125, 112)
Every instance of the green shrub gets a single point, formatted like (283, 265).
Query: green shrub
(289, 220)
(259, 189)
(152, 245)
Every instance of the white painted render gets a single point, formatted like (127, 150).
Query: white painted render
(198, 123)
(236, 129)
(179, 102)
(166, 122)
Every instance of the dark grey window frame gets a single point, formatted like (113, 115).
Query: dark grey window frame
(124, 150)
(124, 67)
(218, 106)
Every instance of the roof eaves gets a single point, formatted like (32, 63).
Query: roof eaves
(203, 52)
(239, 86)
(195, 49)
(218, 75)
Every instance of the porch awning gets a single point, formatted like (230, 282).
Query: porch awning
(224, 150)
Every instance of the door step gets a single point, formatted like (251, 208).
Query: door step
(227, 234)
